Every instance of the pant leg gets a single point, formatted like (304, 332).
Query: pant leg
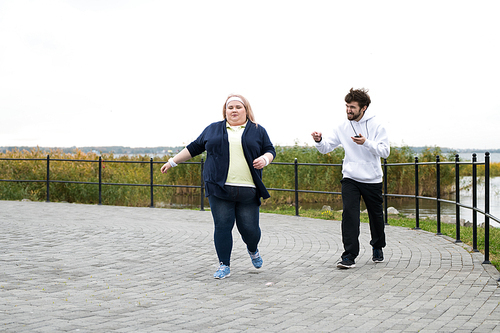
(372, 196)
(351, 198)
(247, 217)
(223, 213)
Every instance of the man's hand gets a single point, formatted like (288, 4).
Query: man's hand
(359, 140)
(317, 136)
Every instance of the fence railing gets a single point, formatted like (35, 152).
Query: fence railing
(457, 163)
(100, 183)
(475, 209)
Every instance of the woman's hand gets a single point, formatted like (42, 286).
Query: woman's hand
(262, 161)
(165, 167)
(183, 156)
(259, 163)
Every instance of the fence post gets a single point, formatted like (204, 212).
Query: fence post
(486, 208)
(385, 192)
(100, 180)
(474, 203)
(457, 198)
(438, 195)
(151, 180)
(417, 213)
(202, 185)
(48, 178)
(296, 188)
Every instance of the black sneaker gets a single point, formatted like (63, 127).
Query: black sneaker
(346, 263)
(378, 255)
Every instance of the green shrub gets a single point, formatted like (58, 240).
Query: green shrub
(127, 170)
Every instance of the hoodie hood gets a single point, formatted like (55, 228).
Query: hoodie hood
(367, 116)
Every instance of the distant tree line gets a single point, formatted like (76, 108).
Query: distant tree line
(100, 149)
(169, 150)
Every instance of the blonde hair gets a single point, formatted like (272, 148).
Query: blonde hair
(246, 104)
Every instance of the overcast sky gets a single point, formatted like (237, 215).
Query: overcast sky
(156, 73)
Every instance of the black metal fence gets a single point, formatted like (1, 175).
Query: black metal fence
(457, 163)
(475, 209)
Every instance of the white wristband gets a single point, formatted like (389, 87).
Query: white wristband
(172, 163)
(266, 159)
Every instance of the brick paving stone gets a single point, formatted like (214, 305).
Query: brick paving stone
(89, 268)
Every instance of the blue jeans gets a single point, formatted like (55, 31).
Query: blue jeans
(240, 205)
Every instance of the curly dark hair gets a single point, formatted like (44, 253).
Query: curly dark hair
(358, 95)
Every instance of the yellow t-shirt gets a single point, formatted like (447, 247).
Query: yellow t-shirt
(239, 172)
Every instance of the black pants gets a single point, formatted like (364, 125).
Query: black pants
(352, 191)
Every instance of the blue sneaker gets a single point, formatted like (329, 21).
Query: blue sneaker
(256, 259)
(222, 272)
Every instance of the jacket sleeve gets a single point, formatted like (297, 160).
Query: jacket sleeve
(267, 146)
(379, 146)
(198, 146)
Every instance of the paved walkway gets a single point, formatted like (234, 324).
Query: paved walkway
(86, 268)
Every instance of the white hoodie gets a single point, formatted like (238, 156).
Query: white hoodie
(361, 162)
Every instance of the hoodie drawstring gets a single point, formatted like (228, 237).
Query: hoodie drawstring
(366, 124)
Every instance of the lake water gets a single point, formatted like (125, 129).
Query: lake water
(494, 157)
(428, 207)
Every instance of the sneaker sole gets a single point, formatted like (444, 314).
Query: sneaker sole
(223, 277)
(378, 260)
(257, 266)
(345, 266)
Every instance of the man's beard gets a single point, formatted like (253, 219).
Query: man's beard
(354, 116)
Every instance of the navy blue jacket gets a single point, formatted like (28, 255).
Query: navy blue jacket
(214, 140)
